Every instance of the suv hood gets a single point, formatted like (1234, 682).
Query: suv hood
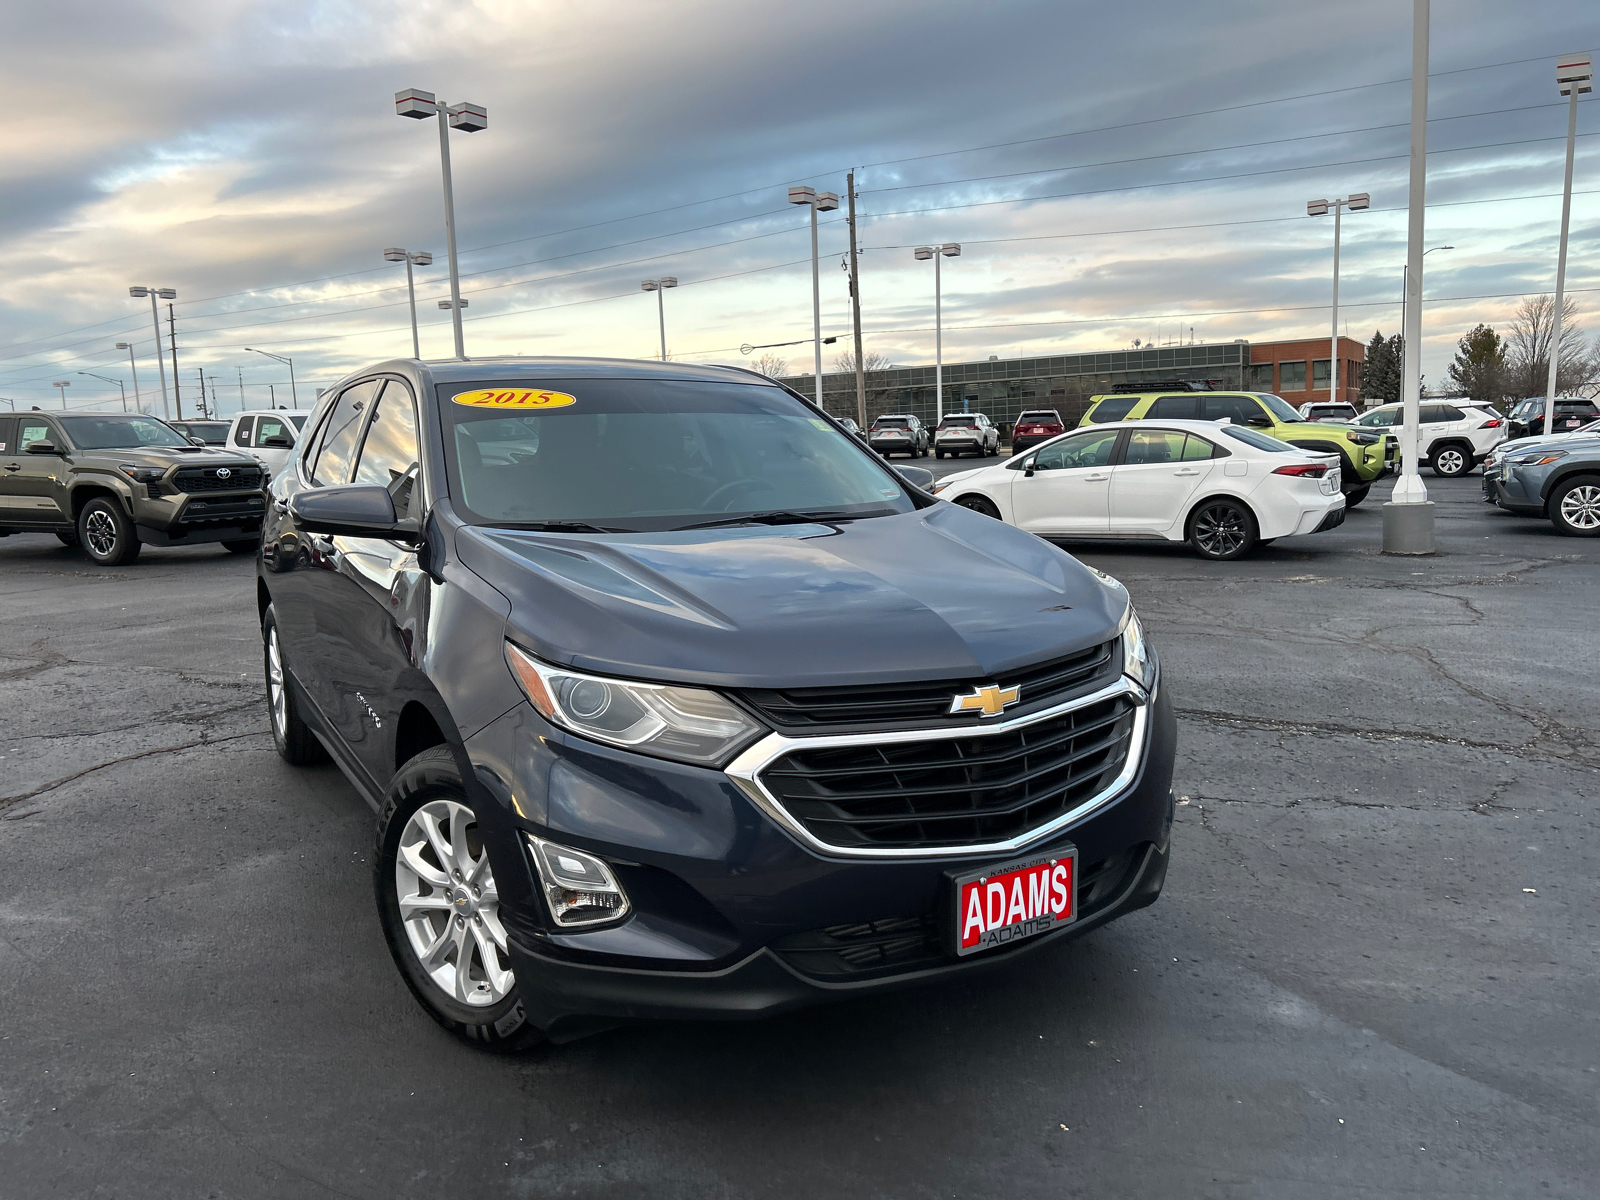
(167, 456)
(934, 594)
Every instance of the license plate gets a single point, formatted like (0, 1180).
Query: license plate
(1330, 482)
(1006, 903)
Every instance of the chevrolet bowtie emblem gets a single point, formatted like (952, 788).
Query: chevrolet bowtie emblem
(989, 700)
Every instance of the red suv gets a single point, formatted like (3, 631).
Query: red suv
(1035, 426)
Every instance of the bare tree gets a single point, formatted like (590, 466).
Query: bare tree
(773, 366)
(882, 393)
(1528, 350)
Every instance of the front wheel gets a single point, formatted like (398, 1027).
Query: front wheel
(107, 533)
(1575, 507)
(440, 908)
(979, 504)
(1222, 530)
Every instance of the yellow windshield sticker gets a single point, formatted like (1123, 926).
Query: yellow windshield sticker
(514, 398)
(820, 424)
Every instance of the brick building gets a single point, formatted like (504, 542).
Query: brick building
(1283, 367)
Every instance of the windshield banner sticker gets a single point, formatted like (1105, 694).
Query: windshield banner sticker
(515, 398)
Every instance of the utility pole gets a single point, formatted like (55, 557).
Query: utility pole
(202, 371)
(241, 387)
(855, 305)
(1574, 75)
(172, 329)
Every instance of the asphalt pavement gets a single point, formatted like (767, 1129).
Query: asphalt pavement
(1372, 971)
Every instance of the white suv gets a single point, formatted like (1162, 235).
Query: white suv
(267, 435)
(1453, 436)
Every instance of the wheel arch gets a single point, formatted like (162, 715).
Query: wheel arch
(82, 493)
(1557, 478)
(1196, 506)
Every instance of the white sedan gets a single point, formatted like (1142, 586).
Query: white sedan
(1222, 488)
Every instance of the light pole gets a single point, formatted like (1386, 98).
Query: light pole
(1408, 517)
(1574, 75)
(138, 401)
(659, 286)
(61, 386)
(108, 379)
(1357, 202)
(1405, 276)
(294, 396)
(155, 317)
(924, 253)
(469, 118)
(421, 258)
(817, 202)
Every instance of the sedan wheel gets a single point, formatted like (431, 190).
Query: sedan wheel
(1222, 530)
(980, 505)
(1575, 508)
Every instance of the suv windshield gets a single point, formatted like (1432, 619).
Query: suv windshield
(117, 433)
(630, 455)
(1279, 410)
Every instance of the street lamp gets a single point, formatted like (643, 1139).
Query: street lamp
(924, 253)
(62, 385)
(469, 118)
(421, 258)
(138, 401)
(1405, 278)
(155, 318)
(294, 396)
(659, 286)
(817, 202)
(1357, 202)
(1574, 76)
(118, 382)
(447, 305)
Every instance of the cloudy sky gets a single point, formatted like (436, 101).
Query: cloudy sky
(1113, 172)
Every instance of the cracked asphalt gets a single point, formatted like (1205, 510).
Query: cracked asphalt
(1373, 971)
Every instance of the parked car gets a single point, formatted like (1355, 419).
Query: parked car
(113, 482)
(1329, 411)
(966, 433)
(1364, 454)
(851, 427)
(1542, 477)
(1526, 418)
(1222, 488)
(267, 435)
(899, 433)
(210, 433)
(1033, 426)
(1452, 438)
(597, 641)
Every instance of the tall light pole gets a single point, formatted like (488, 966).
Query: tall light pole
(1319, 208)
(469, 118)
(108, 379)
(1405, 277)
(138, 401)
(1408, 517)
(659, 286)
(421, 258)
(924, 253)
(294, 396)
(817, 202)
(1574, 75)
(155, 318)
(61, 386)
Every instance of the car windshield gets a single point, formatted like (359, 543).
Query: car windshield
(1038, 418)
(1280, 410)
(116, 433)
(645, 455)
(1261, 441)
(212, 433)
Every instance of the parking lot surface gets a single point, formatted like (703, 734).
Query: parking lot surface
(1372, 971)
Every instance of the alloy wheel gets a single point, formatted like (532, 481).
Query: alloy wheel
(1451, 462)
(100, 531)
(1580, 507)
(1220, 530)
(276, 695)
(449, 905)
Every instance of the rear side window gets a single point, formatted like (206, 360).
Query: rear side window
(7, 433)
(1261, 441)
(1114, 409)
(241, 434)
(1383, 418)
(1176, 408)
(389, 453)
(337, 452)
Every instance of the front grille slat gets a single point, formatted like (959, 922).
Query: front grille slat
(204, 479)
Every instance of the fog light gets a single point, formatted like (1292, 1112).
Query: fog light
(578, 887)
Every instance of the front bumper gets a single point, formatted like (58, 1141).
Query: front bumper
(1513, 490)
(732, 916)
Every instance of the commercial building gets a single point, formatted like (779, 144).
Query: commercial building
(1004, 387)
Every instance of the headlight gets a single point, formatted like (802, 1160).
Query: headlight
(1108, 580)
(1138, 660)
(685, 723)
(1537, 459)
(1365, 439)
(143, 474)
(940, 486)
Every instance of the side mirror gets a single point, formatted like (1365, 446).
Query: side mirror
(43, 447)
(277, 441)
(916, 477)
(196, 441)
(1259, 422)
(350, 510)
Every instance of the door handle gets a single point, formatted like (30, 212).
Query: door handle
(1095, 478)
(13, 466)
(1186, 471)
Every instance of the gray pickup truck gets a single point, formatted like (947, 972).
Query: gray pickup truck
(112, 482)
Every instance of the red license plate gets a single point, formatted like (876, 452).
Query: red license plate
(1006, 903)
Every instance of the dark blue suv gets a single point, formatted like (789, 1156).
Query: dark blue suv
(676, 701)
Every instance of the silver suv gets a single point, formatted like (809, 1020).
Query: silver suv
(1453, 436)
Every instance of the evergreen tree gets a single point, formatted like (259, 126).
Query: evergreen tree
(1380, 378)
(1480, 365)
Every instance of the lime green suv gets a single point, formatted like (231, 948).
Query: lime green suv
(1364, 454)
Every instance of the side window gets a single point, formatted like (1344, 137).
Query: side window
(1238, 409)
(1452, 413)
(1088, 450)
(7, 434)
(337, 452)
(1115, 409)
(241, 432)
(1154, 446)
(1292, 376)
(273, 427)
(389, 453)
(1432, 414)
(32, 431)
(1196, 448)
(1176, 408)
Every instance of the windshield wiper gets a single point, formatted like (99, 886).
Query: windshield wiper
(779, 516)
(560, 527)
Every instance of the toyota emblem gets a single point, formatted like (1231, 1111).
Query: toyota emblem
(223, 473)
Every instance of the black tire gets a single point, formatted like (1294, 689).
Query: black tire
(67, 537)
(1356, 495)
(291, 736)
(242, 546)
(938, 453)
(980, 504)
(501, 1026)
(1450, 460)
(107, 533)
(1222, 530)
(1574, 506)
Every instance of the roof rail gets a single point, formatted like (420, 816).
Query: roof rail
(1166, 385)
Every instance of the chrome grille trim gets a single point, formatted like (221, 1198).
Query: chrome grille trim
(745, 772)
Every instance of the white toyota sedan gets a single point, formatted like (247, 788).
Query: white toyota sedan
(1223, 488)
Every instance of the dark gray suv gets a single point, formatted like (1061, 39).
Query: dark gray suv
(1557, 478)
